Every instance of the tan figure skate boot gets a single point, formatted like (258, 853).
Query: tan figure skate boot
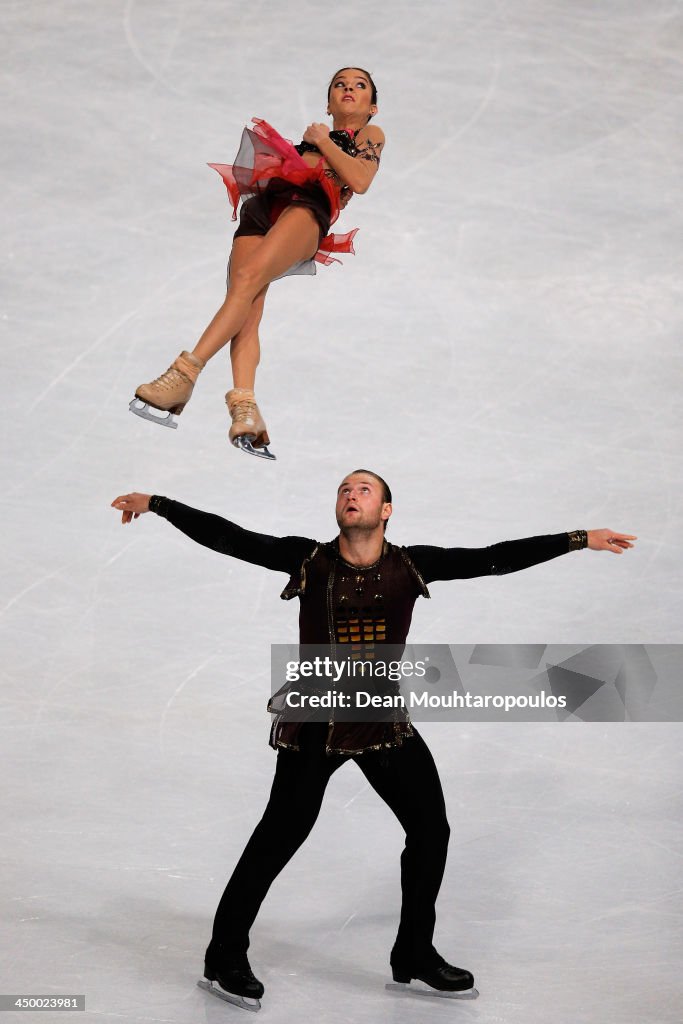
(170, 392)
(248, 430)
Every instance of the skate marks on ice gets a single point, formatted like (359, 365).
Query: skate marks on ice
(242, 1001)
(417, 988)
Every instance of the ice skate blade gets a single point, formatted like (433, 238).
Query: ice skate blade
(403, 988)
(245, 1004)
(143, 411)
(243, 442)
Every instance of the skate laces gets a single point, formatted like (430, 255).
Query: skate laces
(244, 410)
(170, 379)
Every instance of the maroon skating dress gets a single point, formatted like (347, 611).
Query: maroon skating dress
(269, 168)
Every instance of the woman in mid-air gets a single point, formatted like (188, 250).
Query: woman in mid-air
(290, 197)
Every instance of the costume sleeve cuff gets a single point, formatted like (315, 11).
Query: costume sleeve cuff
(160, 505)
(577, 539)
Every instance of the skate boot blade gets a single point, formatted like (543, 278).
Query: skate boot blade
(229, 997)
(244, 443)
(143, 410)
(416, 988)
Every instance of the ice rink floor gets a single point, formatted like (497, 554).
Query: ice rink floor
(504, 348)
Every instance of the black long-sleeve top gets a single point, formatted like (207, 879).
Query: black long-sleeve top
(286, 554)
(354, 608)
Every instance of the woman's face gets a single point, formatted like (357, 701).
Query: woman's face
(351, 94)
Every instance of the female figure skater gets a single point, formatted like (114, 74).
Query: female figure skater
(291, 195)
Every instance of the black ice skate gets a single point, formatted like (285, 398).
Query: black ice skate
(235, 982)
(440, 979)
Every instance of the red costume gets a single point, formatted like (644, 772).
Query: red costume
(268, 175)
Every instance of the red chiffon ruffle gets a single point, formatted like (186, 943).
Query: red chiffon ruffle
(264, 155)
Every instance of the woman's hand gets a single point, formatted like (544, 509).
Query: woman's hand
(316, 133)
(356, 171)
(131, 505)
(345, 196)
(608, 540)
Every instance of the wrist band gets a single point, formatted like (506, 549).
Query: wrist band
(577, 539)
(158, 504)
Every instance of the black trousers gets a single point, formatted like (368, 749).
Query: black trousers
(404, 777)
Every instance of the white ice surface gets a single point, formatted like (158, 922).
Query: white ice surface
(504, 348)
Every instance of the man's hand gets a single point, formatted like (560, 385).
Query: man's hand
(608, 540)
(132, 505)
(316, 133)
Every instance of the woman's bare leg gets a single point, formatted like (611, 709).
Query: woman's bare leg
(245, 350)
(293, 237)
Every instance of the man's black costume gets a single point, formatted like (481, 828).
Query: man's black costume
(342, 604)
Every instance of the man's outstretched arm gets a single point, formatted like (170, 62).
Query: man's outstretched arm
(283, 554)
(436, 563)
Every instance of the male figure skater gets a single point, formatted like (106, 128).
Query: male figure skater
(357, 589)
